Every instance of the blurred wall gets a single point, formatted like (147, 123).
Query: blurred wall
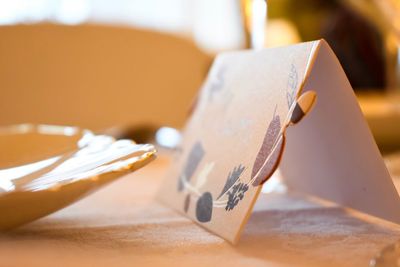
(213, 25)
(96, 76)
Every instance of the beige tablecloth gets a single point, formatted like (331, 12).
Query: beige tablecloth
(122, 225)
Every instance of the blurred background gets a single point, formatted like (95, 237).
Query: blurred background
(128, 67)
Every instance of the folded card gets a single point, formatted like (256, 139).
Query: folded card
(290, 108)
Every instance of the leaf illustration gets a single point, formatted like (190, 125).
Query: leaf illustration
(195, 156)
(271, 163)
(291, 85)
(186, 204)
(204, 207)
(233, 176)
(270, 138)
(235, 195)
(203, 174)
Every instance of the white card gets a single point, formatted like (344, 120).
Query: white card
(248, 121)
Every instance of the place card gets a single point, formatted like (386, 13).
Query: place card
(290, 108)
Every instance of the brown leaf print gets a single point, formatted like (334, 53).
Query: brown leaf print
(186, 204)
(271, 163)
(266, 148)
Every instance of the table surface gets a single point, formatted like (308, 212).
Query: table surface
(123, 225)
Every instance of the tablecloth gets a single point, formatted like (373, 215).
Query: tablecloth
(123, 225)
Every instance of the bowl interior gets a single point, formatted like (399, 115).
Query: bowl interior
(24, 145)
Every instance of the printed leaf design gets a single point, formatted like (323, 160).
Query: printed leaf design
(186, 204)
(203, 174)
(195, 156)
(233, 176)
(204, 207)
(271, 164)
(291, 85)
(236, 194)
(266, 148)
